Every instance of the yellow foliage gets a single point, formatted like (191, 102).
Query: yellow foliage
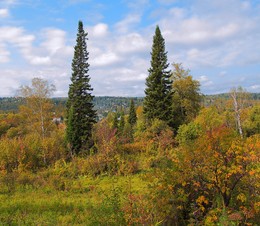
(241, 197)
(257, 207)
(202, 199)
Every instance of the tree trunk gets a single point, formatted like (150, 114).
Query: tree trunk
(237, 113)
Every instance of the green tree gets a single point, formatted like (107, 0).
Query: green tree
(252, 123)
(132, 113)
(157, 102)
(188, 133)
(80, 107)
(121, 123)
(186, 96)
(115, 121)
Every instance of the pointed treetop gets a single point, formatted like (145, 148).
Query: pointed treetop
(158, 90)
(157, 29)
(80, 119)
(132, 113)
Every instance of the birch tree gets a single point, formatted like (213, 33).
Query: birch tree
(37, 112)
(240, 98)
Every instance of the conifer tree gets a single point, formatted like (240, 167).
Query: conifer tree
(80, 108)
(115, 121)
(121, 123)
(157, 102)
(132, 113)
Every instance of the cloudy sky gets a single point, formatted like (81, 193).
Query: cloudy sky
(218, 40)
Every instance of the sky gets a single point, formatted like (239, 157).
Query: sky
(217, 40)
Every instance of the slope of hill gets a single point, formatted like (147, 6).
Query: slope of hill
(104, 104)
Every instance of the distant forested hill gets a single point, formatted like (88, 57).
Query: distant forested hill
(210, 99)
(104, 104)
(10, 104)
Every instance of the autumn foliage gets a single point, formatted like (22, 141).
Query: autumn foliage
(144, 173)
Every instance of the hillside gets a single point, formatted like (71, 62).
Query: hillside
(145, 174)
(102, 104)
(105, 104)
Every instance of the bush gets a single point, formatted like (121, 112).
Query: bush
(188, 133)
(26, 179)
(9, 180)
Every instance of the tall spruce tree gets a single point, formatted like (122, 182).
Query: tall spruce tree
(132, 113)
(121, 123)
(157, 102)
(115, 121)
(80, 108)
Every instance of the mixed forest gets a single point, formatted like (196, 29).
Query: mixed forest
(174, 157)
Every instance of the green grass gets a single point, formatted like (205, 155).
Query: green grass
(88, 202)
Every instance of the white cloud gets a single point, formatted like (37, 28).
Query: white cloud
(131, 43)
(105, 59)
(100, 30)
(50, 51)
(10, 2)
(128, 23)
(205, 82)
(213, 33)
(4, 13)
(119, 81)
(255, 87)
(9, 82)
(35, 60)
(130, 75)
(192, 31)
(55, 40)
(14, 36)
(223, 73)
(12, 79)
(203, 78)
(137, 5)
(4, 54)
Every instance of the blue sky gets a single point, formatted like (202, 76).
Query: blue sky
(218, 40)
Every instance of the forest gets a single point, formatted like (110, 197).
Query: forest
(102, 104)
(105, 104)
(174, 157)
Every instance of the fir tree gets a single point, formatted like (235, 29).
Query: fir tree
(132, 113)
(115, 121)
(157, 102)
(121, 123)
(80, 108)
